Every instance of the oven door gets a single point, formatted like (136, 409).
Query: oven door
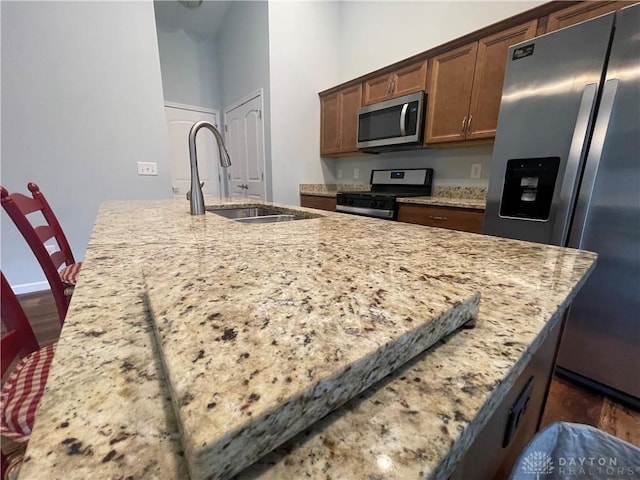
(394, 122)
(366, 206)
(367, 211)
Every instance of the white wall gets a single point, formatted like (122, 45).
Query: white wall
(189, 65)
(368, 42)
(81, 104)
(303, 49)
(243, 51)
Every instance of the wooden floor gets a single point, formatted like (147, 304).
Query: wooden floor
(41, 311)
(567, 402)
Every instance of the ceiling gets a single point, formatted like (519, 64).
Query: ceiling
(205, 19)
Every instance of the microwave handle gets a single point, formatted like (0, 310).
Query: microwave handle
(403, 120)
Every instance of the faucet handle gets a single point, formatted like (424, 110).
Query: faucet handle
(189, 192)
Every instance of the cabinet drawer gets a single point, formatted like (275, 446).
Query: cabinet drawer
(321, 203)
(463, 219)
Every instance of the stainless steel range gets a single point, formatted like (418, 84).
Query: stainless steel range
(386, 187)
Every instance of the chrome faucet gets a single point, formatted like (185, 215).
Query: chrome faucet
(195, 194)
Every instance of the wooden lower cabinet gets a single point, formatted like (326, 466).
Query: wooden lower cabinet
(453, 218)
(321, 203)
(490, 457)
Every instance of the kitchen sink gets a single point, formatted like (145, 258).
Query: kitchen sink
(261, 214)
(267, 219)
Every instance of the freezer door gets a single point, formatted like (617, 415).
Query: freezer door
(546, 111)
(602, 336)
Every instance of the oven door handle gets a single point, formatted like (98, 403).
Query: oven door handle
(403, 120)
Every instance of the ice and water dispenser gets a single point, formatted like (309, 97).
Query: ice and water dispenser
(528, 188)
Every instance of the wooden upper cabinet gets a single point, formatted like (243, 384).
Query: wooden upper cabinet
(339, 120)
(377, 89)
(410, 79)
(405, 80)
(350, 102)
(450, 94)
(329, 124)
(466, 87)
(488, 79)
(581, 12)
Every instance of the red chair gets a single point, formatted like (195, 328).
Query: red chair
(18, 206)
(24, 386)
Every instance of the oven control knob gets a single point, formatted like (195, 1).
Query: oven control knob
(350, 201)
(373, 204)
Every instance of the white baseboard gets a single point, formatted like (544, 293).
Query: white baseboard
(30, 287)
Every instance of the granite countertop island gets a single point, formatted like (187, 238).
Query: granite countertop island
(107, 410)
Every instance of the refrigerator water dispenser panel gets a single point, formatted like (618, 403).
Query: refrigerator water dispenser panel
(528, 189)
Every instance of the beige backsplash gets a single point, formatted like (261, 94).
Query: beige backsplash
(459, 191)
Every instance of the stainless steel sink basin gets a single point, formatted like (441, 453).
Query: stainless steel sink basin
(260, 214)
(238, 213)
(267, 219)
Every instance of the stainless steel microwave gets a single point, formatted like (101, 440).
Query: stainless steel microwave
(395, 124)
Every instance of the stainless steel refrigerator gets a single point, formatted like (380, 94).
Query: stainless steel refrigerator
(566, 171)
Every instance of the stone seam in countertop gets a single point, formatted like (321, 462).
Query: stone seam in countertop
(380, 328)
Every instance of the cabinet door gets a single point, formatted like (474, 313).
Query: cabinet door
(350, 102)
(581, 12)
(452, 218)
(410, 79)
(377, 89)
(329, 124)
(320, 203)
(489, 77)
(450, 94)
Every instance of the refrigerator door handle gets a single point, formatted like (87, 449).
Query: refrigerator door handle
(574, 163)
(592, 163)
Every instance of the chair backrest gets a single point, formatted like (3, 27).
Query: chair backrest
(18, 206)
(19, 339)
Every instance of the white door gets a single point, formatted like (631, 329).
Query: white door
(244, 136)
(179, 122)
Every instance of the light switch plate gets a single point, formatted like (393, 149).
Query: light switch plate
(356, 173)
(476, 170)
(339, 173)
(147, 168)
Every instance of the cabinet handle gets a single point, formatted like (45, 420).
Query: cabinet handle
(464, 122)
(436, 218)
(393, 85)
(469, 124)
(337, 142)
(389, 84)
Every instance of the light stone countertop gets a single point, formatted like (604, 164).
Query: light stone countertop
(314, 193)
(280, 334)
(107, 413)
